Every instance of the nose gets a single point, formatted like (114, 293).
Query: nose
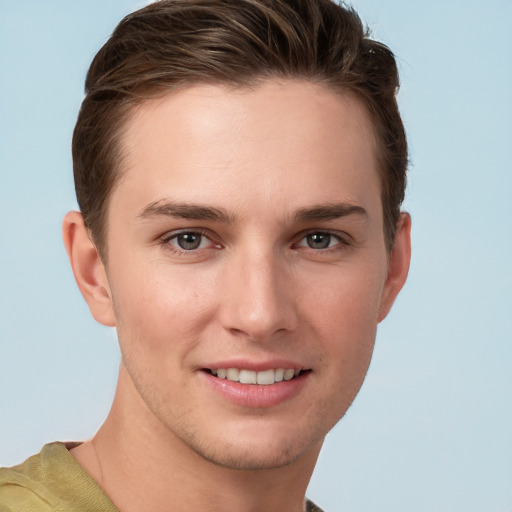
(258, 297)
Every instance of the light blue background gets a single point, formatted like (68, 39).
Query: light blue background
(432, 428)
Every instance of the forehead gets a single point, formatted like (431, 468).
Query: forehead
(282, 142)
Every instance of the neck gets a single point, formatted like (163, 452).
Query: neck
(143, 466)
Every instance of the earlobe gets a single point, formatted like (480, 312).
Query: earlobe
(398, 267)
(88, 269)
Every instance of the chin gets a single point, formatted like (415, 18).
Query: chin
(253, 457)
(260, 449)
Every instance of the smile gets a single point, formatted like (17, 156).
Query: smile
(263, 378)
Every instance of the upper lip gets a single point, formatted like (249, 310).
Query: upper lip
(256, 366)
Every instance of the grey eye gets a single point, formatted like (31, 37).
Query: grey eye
(188, 241)
(319, 240)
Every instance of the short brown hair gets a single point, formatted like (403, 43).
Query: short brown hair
(175, 43)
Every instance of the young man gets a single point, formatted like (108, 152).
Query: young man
(239, 168)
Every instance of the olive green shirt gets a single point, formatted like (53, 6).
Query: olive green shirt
(53, 481)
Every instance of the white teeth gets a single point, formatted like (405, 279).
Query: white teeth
(247, 377)
(279, 374)
(263, 378)
(266, 377)
(232, 374)
(289, 374)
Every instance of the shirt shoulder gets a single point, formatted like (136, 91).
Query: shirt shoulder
(51, 481)
(311, 507)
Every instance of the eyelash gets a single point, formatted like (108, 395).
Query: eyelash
(166, 239)
(342, 241)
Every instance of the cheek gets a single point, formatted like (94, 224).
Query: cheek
(344, 318)
(345, 299)
(344, 330)
(157, 308)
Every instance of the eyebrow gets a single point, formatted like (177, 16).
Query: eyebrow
(162, 208)
(325, 212)
(331, 211)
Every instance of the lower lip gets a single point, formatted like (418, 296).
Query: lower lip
(254, 395)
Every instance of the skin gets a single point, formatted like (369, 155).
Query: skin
(287, 163)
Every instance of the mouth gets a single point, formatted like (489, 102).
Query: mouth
(262, 378)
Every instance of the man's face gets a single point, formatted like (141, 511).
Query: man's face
(244, 237)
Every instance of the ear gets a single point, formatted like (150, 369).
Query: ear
(88, 269)
(398, 266)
